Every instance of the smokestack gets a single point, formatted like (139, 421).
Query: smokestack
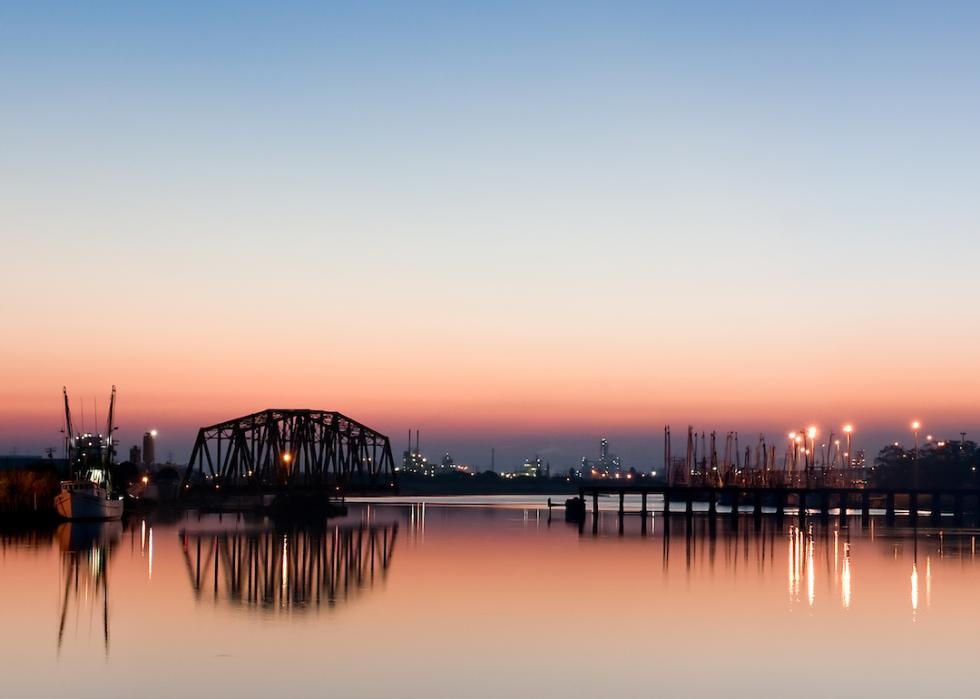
(418, 449)
(409, 441)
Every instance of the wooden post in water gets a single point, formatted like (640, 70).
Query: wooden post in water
(890, 508)
(958, 508)
(865, 509)
(914, 507)
(622, 509)
(937, 507)
(595, 511)
(842, 501)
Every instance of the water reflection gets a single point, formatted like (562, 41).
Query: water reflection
(820, 556)
(297, 569)
(85, 552)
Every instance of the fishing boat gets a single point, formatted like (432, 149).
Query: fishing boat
(89, 494)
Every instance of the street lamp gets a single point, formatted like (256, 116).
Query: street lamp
(810, 454)
(848, 429)
(915, 450)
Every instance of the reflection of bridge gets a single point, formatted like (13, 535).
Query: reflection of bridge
(297, 569)
(278, 449)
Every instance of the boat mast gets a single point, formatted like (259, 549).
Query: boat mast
(69, 434)
(109, 428)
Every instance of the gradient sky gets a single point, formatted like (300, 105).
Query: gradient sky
(511, 224)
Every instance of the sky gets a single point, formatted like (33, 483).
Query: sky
(512, 225)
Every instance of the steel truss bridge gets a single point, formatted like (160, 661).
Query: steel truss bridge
(279, 450)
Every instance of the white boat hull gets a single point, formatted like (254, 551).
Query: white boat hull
(87, 505)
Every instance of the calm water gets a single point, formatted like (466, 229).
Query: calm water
(437, 599)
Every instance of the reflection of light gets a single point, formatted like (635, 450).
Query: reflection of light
(791, 559)
(809, 571)
(142, 536)
(928, 582)
(285, 571)
(845, 577)
(149, 547)
(915, 588)
(811, 432)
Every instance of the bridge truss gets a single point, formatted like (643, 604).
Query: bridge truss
(284, 449)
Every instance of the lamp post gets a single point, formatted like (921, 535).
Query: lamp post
(848, 428)
(915, 449)
(811, 453)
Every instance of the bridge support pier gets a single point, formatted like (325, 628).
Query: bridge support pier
(914, 508)
(890, 509)
(842, 500)
(865, 509)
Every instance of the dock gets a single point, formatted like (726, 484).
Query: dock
(779, 501)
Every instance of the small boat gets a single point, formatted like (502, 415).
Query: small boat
(88, 498)
(89, 494)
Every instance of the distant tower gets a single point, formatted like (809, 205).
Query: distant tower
(149, 448)
(603, 449)
(135, 455)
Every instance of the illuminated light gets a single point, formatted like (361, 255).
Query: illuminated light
(793, 435)
(287, 457)
(153, 433)
(811, 432)
(145, 479)
(799, 439)
(848, 428)
(916, 424)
